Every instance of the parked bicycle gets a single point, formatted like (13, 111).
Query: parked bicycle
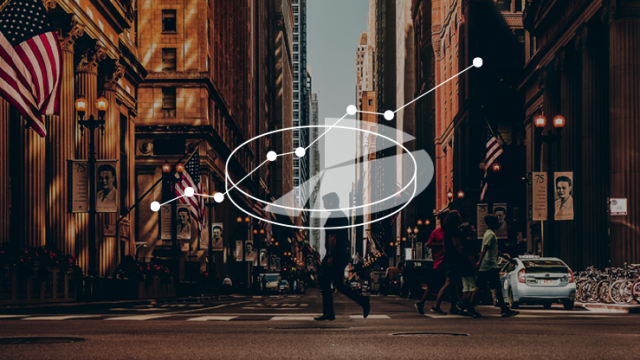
(613, 285)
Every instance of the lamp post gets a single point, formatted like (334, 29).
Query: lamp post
(211, 205)
(550, 138)
(81, 109)
(242, 223)
(412, 233)
(169, 180)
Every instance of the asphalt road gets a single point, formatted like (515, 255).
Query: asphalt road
(280, 327)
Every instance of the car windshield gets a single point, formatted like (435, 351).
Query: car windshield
(283, 282)
(539, 266)
(271, 278)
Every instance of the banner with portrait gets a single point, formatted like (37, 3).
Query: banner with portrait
(310, 262)
(239, 250)
(500, 211)
(217, 240)
(482, 210)
(250, 254)
(273, 263)
(264, 259)
(183, 222)
(166, 219)
(563, 185)
(106, 186)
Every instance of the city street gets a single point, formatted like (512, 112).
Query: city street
(281, 326)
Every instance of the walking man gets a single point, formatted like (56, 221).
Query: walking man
(453, 261)
(488, 272)
(336, 259)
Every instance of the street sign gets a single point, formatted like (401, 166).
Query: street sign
(110, 230)
(618, 207)
(538, 188)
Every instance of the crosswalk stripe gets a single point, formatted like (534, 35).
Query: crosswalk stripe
(138, 317)
(370, 317)
(12, 316)
(66, 317)
(212, 318)
(291, 318)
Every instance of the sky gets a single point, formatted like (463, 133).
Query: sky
(333, 32)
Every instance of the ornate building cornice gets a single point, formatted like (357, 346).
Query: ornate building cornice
(90, 59)
(68, 38)
(110, 80)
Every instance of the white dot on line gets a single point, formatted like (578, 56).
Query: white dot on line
(189, 191)
(388, 115)
(218, 197)
(155, 206)
(272, 156)
(477, 62)
(300, 152)
(351, 109)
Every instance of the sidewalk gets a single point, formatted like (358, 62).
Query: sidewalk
(628, 309)
(83, 307)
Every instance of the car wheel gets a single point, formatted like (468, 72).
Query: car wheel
(547, 305)
(513, 304)
(568, 304)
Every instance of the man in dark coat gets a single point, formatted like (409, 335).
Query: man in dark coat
(336, 258)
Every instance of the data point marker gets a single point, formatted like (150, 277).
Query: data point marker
(300, 152)
(477, 62)
(388, 115)
(155, 206)
(189, 192)
(218, 197)
(351, 109)
(272, 156)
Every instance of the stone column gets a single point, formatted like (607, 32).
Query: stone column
(624, 126)
(594, 178)
(4, 171)
(86, 82)
(108, 147)
(60, 144)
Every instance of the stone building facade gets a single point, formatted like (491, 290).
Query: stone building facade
(100, 58)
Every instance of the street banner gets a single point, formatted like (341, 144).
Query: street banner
(538, 195)
(165, 222)
(563, 182)
(249, 253)
(238, 252)
(264, 259)
(106, 186)
(500, 211)
(419, 251)
(273, 263)
(309, 261)
(203, 244)
(77, 186)
(481, 212)
(183, 217)
(278, 264)
(218, 241)
(618, 207)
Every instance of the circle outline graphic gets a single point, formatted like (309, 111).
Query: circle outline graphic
(229, 181)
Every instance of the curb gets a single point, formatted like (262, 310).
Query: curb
(613, 308)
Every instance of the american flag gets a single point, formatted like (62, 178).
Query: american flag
(30, 61)
(494, 150)
(190, 177)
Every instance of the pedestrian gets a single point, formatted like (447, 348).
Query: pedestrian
(488, 272)
(335, 261)
(438, 274)
(264, 283)
(467, 270)
(453, 261)
(227, 284)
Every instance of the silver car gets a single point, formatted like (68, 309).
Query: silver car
(536, 280)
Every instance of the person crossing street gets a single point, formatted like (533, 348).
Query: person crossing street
(336, 259)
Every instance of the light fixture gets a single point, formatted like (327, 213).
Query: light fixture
(540, 121)
(427, 222)
(404, 238)
(496, 167)
(239, 219)
(81, 105)
(450, 195)
(102, 104)
(180, 167)
(261, 231)
(247, 219)
(558, 121)
(419, 222)
(255, 231)
(415, 230)
(166, 168)
(460, 194)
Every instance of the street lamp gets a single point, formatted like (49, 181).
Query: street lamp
(550, 138)
(81, 109)
(460, 196)
(496, 167)
(211, 204)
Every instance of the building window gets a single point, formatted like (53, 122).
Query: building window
(296, 115)
(296, 162)
(296, 96)
(296, 144)
(296, 173)
(296, 57)
(169, 59)
(296, 182)
(296, 105)
(296, 133)
(169, 21)
(296, 86)
(295, 28)
(169, 98)
(295, 9)
(295, 38)
(370, 102)
(296, 67)
(296, 48)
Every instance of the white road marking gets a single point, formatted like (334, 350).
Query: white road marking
(12, 316)
(212, 318)
(291, 318)
(138, 317)
(370, 317)
(66, 317)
